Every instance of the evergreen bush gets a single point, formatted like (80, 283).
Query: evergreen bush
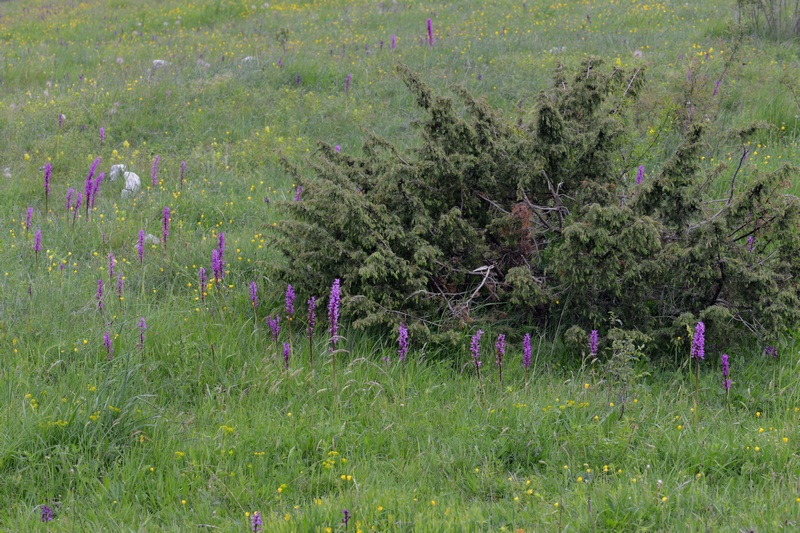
(543, 223)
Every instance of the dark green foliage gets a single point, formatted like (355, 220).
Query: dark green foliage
(492, 220)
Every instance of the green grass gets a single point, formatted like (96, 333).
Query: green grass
(201, 424)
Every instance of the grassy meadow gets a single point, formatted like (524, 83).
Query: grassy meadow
(145, 400)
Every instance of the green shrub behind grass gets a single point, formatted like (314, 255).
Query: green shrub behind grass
(489, 219)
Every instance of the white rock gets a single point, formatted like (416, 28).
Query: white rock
(248, 59)
(116, 171)
(7, 172)
(158, 63)
(132, 181)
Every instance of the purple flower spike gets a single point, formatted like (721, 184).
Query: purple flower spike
(640, 175)
(89, 186)
(203, 281)
(47, 513)
(750, 244)
(216, 265)
(183, 171)
(255, 522)
(726, 370)
(346, 518)
(165, 224)
(394, 41)
(333, 312)
(140, 246)
(402, 340)
(274, 326)
(61, 118)
(70, 194)
(716, 88)
(37, 242)
(298, 193)
(48, 172)
(112, 262)
(142, 329)
(102, 134)
(475, 348)
(593, 338)
(99, 295)
(526, 352)
(96, 186)
(430, 32)
(254, 294)
(287, 349)
(107, 343)
(337, 148)
(154, 172)
(312, 315)
(699, 342)
(500, 345)
(347, 83)
(221, 246)
(289, 301)
(120, 286)
(28, 219)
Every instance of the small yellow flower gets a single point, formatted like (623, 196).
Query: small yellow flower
(580, 479)
(663, 499)
(183, 502)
